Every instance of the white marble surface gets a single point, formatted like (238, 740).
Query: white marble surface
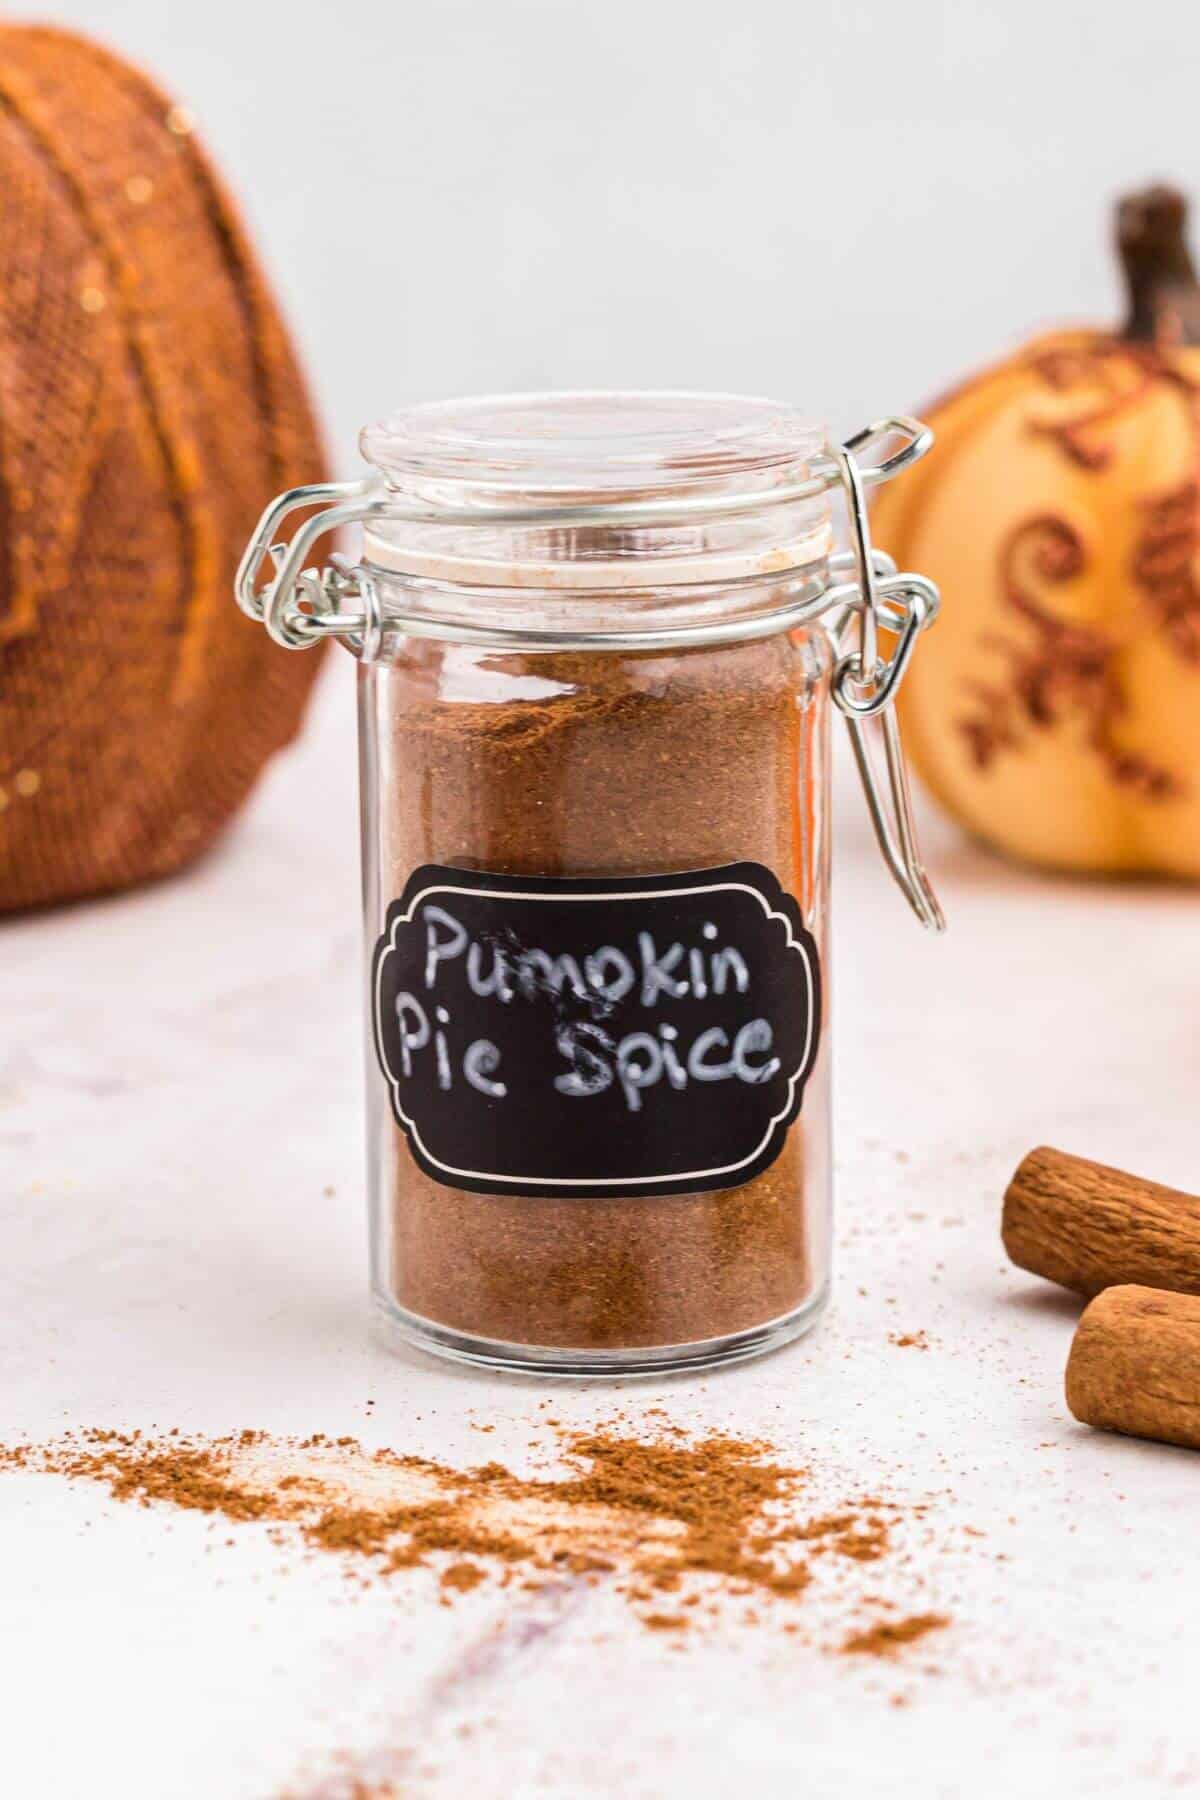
(181, 1089)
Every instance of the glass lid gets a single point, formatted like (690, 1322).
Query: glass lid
(523, 451)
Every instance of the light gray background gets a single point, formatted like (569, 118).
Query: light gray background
(845, 206)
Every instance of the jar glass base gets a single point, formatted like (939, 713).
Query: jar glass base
(397, 1328)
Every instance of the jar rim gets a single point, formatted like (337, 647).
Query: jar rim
(498, 453)
(636, 443)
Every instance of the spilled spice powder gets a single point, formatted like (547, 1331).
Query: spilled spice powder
(861, 1535)
(716, 1489)
(462, 1576)
(886, 1638)
(659, 1514)
(909, 1340)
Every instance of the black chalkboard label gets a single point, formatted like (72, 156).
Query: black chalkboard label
(638, 1035)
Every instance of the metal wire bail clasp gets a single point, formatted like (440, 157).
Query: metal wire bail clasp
(865, 687)
(300, 606)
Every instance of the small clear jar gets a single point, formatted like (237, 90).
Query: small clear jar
(599, 641)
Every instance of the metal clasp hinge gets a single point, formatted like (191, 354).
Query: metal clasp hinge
(865, 687)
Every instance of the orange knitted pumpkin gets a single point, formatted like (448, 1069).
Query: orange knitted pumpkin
(149, 400)
(1055, 710)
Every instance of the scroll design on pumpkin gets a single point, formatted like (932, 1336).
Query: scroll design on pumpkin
(1067, 670)
(1071, 669)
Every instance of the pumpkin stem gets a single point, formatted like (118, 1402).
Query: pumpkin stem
(1164, 295)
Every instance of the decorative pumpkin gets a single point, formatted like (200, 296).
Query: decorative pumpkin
(149, 400)
(1055, 709)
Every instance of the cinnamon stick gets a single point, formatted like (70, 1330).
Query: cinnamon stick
(1089, 1227)
(1135, 1365)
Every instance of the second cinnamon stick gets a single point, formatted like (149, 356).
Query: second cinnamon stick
(1135, 1365)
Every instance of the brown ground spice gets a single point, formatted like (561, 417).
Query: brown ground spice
(886, 1638)
(462, 1576)
(692, 1517)
(637, 764)
(861, 1534)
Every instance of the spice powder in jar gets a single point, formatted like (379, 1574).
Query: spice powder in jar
(594, 804)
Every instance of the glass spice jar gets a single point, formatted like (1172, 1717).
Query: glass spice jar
(599, 637)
